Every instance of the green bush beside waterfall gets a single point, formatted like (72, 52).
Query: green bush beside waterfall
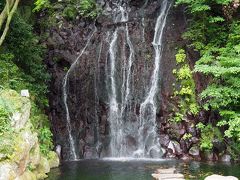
(214, 32)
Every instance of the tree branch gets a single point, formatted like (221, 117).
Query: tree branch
(9, 18)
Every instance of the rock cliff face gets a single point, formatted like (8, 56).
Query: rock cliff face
(20, 156)
(88, 91)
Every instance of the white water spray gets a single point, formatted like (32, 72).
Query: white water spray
(149, 145)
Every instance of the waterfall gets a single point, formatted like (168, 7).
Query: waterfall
(148, 136)
(73, 153)
(121, 128)
(131, 100)
(116, 112)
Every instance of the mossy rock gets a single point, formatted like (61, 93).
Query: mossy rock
(27, 175)
(53, 159)
(11, 100)
(35, 156)
(42, 169)
(26, 140)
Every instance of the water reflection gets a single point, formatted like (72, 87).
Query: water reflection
(136, 170)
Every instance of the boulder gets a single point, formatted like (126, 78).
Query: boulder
(164, 140)
(171, 147)
(194, 151)
(226, 158)
(208, 155)
(186, 157)
(35, 156)
(175, 147)
(27, 175)
(218, 177)
(8, 171)
(53, 159)
(44, 166)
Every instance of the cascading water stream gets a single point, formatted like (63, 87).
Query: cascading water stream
(132, 123)
(73, 153)
(148, 137)
(148, 144)
(118, 144)
(113, 112)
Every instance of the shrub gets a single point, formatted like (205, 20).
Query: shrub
(185, 89)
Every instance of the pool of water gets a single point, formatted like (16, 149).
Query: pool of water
(122, 169)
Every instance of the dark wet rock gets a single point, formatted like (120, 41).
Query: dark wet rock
(90, 152)
(210, 156)
(191, 129)
(164, 140)
(178, 149)
(176, 131)
(175, 148)
(194, 151)
(186, 157)
(218, 146)
(183, 145)
(194, 140)
(226, 158)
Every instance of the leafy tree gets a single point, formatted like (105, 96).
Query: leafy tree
(214, 31)
(28, 56)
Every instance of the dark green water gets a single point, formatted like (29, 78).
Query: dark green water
(136, 170)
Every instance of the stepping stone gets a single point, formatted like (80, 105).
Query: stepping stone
(166, 171)
(218, 177)
(168, 176)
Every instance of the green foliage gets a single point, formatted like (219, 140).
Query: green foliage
(28, 56)
(10, 75)
(45, 139)
(5, 125)
(223, 93)
(208, 134)
(84, 8)
(41, 5)
(70, 12)
(89, 8)
(214, 32)
(7, 143)
(201, 6)
(187, 136)
(185, 93)
(233, 149)
(22, 67)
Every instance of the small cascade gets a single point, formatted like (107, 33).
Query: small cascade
(96, 79)
(113, 111)
(117, 109)
(120, 111)
(149, 145)
(73, 153)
